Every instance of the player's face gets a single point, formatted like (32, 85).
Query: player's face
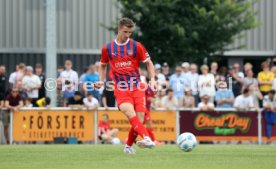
(124, 33)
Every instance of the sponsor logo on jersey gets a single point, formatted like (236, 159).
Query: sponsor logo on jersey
(123, 64)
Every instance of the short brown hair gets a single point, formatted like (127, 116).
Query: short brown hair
(126, 22)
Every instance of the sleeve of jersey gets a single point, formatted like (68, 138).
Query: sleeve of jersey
(104, 56)
(142, 53)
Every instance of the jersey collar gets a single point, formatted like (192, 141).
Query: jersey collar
(121, 44)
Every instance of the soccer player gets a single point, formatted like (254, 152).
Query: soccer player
(124, 56)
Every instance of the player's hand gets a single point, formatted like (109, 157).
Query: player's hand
(153, 85)
(98, 84)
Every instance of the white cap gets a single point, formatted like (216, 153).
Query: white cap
(185, 64)
(157, 66)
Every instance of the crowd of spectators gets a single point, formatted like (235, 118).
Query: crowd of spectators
(206, 87)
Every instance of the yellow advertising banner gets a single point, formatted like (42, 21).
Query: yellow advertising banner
(44, 125)
(163, 123)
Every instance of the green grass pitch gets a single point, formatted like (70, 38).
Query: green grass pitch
(112, 157)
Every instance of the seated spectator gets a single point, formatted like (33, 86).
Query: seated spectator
(269, 104)
(158, 100)
(76, 101)
(105, 133)
(44, 102)
(67, 93)
(28, 102)
(169, 101)
(224, 97)
(188, 100)
(14, 100)
(108, 97)
(244, 101)
(90, 102)
(255, 94)
(205, 104)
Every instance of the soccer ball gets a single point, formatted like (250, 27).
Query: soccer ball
(186, 141)
(115, 140)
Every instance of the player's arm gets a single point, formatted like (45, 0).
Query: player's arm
(102, 67)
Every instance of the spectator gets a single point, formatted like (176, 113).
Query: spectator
(236, 67)
(224, 97)
(16, 77)
(41, 75)
(76, 101)
(31, 84)
(108, 97)
(255, 94)
(86, 71)
(67, 94)
(188, 100)
(214, 68)
(273, 70)
(205, 104)
(178, 83)
(206, 83)
(169, 101)
(269, 104)
(222, 74)
(44, 102)
(234, 81)
(97, 64)
(69, 77)
(160, 76)
(166, 70)
(249, 79)
(60, 69)
(90, 79)
(158, 100)
(194, 82)
(3, 85)
(90, 102)
(105, 133)
(28, 102)
(265, 79)
(186, 70)
(247, 66)
(14, 100)
(244, 101)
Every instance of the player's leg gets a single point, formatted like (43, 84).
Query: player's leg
(132, 135)
(148, 124)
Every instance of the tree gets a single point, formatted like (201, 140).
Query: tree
(188, 30)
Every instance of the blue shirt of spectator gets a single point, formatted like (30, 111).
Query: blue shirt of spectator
(224, 94)
(90, 79)
(178, 83)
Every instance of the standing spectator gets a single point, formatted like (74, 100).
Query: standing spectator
(169, 101)
(166, 70)
(60, 69)
(244, 101)
(14, 100)
(105, 133)
(86, 71)
(41, 75)
(97, 65)
(194, 82)
(16, 77)
(247, 66)
(186, 70)
(3, 85)
(269, 104)
(31, 84)
(214, 68)
(90, 79)
(224, 97)
(273, 70)
(236, 67)
(160, 76)
(265, 79)
(234, 81)
(206, 83)
(76, 101)
(108, 98)
(69, 77)
(90, 102)
(188, 100)
(249, 79)
(222, 74)
(255, 94)
(178, 83)
(205, 104)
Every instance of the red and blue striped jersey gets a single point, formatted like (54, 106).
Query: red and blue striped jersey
(124, 60)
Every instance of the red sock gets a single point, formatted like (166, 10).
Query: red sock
(151, 134)
(132, 135)
(138, 127)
